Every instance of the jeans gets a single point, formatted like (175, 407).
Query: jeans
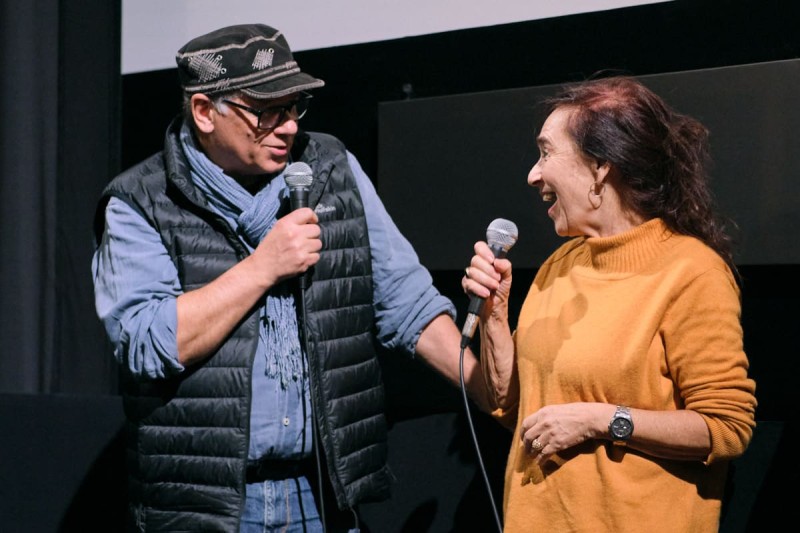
(285, 505)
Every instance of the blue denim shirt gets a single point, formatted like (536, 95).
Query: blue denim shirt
(136, 286)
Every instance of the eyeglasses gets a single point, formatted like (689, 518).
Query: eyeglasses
(271, 117)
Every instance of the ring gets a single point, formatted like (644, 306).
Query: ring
(466, 272)
(536, 446)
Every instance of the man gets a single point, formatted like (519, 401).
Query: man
(235, 378)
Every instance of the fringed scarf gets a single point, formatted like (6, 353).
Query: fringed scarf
(252, 217)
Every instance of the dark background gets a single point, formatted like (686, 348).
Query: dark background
(71, 122)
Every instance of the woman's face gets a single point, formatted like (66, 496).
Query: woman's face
(564, 176)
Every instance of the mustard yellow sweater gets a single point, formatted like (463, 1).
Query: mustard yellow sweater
(647, 319)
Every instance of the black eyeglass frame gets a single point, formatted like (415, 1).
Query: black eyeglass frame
(279, 112)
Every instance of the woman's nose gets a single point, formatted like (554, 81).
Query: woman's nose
(534, 176)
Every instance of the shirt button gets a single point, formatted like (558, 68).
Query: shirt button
(286, 421)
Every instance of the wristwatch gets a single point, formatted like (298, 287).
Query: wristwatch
(621, 426)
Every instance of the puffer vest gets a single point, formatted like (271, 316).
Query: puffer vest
(189, 435)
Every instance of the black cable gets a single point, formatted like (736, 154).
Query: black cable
(475, 442)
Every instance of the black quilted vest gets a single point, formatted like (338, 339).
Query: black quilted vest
(189, 435)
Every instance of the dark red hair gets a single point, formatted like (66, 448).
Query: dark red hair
(662, 156)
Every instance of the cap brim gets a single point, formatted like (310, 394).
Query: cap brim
(283, 86)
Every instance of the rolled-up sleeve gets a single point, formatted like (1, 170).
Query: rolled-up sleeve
(136, 286)
(405, 298)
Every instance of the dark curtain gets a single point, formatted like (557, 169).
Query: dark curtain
(59, 99)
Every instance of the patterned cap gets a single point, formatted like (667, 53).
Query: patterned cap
(252, 58)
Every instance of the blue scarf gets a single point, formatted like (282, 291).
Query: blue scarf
(252, 217)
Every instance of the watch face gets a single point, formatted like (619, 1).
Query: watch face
(621, 428)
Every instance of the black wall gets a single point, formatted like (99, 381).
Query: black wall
(752, 112)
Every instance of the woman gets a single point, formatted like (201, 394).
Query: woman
(626, 374)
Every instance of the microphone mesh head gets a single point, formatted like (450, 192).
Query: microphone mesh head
(501, 233)
(298, 175)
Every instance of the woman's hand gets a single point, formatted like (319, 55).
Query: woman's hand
(679, 435)
(489, 278)
(554, 428)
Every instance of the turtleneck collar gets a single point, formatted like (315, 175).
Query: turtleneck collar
(627, 252)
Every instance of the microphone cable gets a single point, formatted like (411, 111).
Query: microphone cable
(298, 177)
(501, 235)
(475, 442)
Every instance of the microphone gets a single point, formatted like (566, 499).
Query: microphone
(298, 176)
(500, 236)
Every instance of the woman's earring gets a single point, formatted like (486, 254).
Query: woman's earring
(596, 191)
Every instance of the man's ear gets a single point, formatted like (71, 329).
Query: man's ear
(203, 111)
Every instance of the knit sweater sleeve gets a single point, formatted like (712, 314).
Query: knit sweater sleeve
(706, 359)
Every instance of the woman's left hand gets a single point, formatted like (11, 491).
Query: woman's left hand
(555, 428)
